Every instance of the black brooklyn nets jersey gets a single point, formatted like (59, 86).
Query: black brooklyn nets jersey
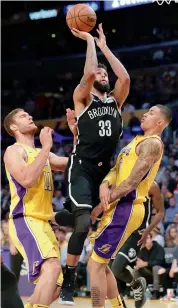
(99, 130)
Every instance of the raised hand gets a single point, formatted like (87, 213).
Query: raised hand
(81, 34)
(71, 120)
(101, 40)
(46, 137)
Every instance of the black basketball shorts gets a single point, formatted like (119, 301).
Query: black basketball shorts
(84, 179)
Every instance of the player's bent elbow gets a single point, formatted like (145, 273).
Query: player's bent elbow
(27, 183)
(126, 80)
(91, 75)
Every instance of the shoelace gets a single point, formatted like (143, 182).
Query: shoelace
(138, 293)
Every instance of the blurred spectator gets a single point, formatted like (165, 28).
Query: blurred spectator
(175, 221)
(157, 237)
(165, 192)
(5, 198)
(172, 237)
(171, 211)
(149, 258)
(134, 124)
(60, 233)
(58, 200)
(5, 230)
(128, 107)
(170, 274)
(176, 192)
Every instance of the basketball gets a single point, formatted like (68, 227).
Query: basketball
(82, 17)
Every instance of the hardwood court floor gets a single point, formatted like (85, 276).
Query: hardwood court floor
(86, 303)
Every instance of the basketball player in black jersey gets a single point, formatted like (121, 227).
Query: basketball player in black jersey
(99, 128)
(124, 262)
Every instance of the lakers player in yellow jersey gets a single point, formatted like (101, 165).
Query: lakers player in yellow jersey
(30, 179)
(123, 205)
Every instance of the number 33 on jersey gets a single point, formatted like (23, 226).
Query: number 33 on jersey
(99, 127)
(105, 128)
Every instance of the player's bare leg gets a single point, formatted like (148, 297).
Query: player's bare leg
(97, 273)
(101, 272)
(112, 290)
(50, 271)
(55, 297)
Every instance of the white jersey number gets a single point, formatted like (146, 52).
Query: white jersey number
(105, 128)
(47, 181)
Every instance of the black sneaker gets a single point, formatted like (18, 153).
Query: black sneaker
(156, 295)
(66, 297)
(139, 289)
(68, 287)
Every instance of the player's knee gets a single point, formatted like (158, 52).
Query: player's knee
(76, 243)
(118, 266)
(52, 267)
(161, 271)
(95, 267)
(83, 223)
(79, 235)
(65, 218)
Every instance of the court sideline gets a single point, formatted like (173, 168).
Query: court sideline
(86, 303)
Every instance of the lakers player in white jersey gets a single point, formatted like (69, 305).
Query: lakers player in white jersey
(30, 179)
(135, 170)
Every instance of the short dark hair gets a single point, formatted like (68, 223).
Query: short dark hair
(167, 113)
(101, 65)
(9, 119)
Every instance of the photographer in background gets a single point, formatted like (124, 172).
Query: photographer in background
(149, 260)
(169, 275)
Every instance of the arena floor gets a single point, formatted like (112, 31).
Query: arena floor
(85, 303)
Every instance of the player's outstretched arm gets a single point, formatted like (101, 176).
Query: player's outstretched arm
(57, 163)
(150, 151)
(122, 86)
(15, 159)
(82, 94)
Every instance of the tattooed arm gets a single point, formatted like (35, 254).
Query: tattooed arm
(122, 86)
(82, 94)
(149, 152)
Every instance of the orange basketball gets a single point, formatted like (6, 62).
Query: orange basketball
(82, 17)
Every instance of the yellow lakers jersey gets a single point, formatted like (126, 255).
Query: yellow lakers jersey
(124, 165)
(35, 201)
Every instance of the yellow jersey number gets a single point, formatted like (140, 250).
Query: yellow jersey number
(47, 181)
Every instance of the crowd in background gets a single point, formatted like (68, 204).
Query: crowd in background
(48, 98)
